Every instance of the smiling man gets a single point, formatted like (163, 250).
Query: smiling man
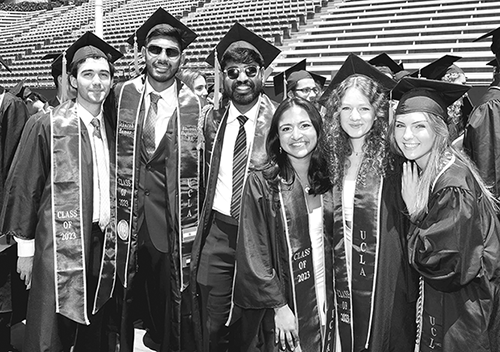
(234, 140)
(57, 206)
(157, 175)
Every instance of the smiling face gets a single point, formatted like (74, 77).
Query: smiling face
(242, 90)
(296, 133)
(415, 137)
(356, 114)
(200, 87)
(92, 83)
(160, 67)
(306, 89)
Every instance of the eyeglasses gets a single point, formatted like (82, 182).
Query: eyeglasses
(234, 72)
(308, 90)
(172, 53)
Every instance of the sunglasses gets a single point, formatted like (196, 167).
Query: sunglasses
(234, 72)
(155, 50)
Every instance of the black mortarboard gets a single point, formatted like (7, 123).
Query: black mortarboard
(162, 19)
(426, 95)
(56, 65)
(356, 65)
(19, 90)
(90, 45)
(280, 79)
(437, 68)
(4, 64)
(495, 33)
(239, 36)
(385, 60)
(493, 63)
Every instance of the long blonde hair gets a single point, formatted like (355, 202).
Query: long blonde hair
(439, 156)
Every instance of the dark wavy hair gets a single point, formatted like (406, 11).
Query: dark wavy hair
(278, 168)
(338, 146)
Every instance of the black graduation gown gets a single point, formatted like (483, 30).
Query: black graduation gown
(27, 213)
(482, 137)
(263, 276)
(455, 248)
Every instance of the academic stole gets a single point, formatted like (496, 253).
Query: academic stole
(128, 126)
(304, 300)
(67, 218)
(355, 299)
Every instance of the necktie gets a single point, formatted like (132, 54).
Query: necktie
(239, 165)
(102, 175)
(148, 134)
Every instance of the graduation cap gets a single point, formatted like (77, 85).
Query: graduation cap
(494, 33)
(90, 45)
(56, 65)
(161, 19)
(493, 63)
(2, 61)
(289, 78)
(385, 60)
(240, 37)
(20, 90)
(356, 65)
(426, 95)
(437, 68)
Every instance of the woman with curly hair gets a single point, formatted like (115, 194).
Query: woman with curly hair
(454, 239)
(375, 290)
(281, 283)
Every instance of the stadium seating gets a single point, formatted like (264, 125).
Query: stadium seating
(324, 32)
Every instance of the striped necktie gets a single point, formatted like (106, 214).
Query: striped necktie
(102, 175)
(148, 132)
(239, 166)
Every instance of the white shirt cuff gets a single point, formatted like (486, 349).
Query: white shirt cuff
(25, 248)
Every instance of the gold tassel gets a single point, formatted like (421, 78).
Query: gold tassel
(64, 73)
(217, 82)
(136, 55)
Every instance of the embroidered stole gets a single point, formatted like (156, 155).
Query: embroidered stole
(355, 298)
(304, 300)
(129, 126)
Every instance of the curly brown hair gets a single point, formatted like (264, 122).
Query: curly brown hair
(338, 146)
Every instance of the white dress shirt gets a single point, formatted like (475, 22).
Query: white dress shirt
(166, 107)
(224, 188)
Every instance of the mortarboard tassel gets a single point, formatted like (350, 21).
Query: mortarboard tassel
(217, 78)
(64, 74)
(136, 56)
(284, 86)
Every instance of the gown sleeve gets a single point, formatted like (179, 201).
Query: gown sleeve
(257, 285)
(26, 181)
(447, 245)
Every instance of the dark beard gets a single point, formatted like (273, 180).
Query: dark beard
(244, 99)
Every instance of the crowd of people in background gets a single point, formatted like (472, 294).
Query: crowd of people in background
(360, 216)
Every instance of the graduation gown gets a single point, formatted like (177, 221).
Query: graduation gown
(264, 263)
(391, 325)
(13, 116)
(455, 247)
(27, 213)
(212, 137)
(482, 137)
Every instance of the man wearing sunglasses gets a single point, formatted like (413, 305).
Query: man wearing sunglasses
(234, 139)
(156, 178)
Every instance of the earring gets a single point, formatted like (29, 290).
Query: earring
(281, 150)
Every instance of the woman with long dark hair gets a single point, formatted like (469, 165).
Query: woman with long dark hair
(454, 238)
(375, 290)
(281, 282)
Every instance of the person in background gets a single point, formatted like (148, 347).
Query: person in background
(454, 237)
(375, 288)
(58, 206)
(13, 116)
(282, 283)
(197, 82)
(482, 133)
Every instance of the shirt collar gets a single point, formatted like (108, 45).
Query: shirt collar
(167, 95)
(86, 116)
(251, 114)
